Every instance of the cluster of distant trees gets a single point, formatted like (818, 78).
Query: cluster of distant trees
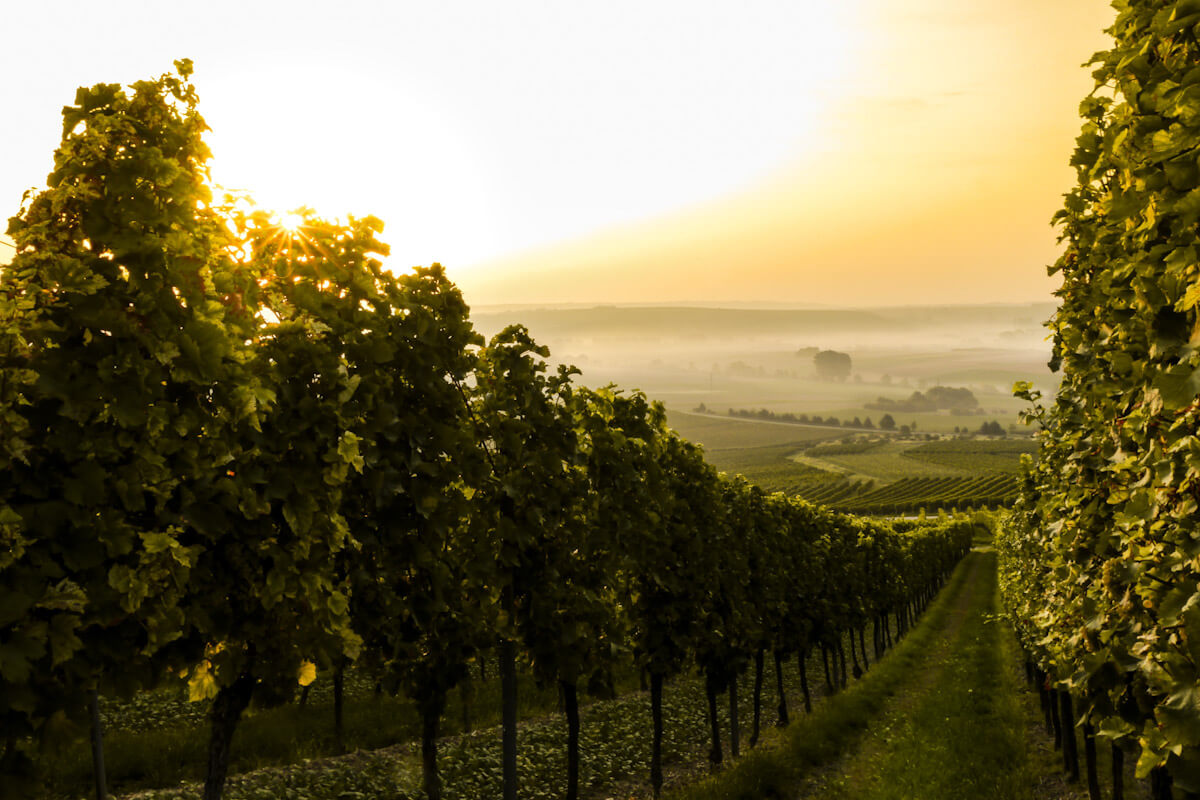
(886, 423)
(992, 428)
(832, 365)
(957, 400)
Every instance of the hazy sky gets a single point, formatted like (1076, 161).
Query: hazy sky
(859, 152)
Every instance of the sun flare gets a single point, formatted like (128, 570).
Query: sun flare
(291, 222)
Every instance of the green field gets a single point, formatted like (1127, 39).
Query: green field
(773, 468)
(717, 433)
(975, 455)
(870, 474)
(761, 451)
(885, 463)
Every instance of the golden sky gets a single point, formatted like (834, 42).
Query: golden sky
(797, 152)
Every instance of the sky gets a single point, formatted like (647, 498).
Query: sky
(799, 152)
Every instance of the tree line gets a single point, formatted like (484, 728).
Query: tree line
(238, 454)
(960, 400)
(804, 419)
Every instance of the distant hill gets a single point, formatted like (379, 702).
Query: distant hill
(678, 321)
(803, 326)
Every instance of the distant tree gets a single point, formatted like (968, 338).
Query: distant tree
(991, 429)
(857, 423)
(832, 365)
(832, 421)
(955, 398)
(905, 430)
(802, 418)
(886, 380)
(958, 401)
(701, 409)
(886, 423)
(868, 424)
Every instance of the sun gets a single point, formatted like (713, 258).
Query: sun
(291, 222)
(288, 232)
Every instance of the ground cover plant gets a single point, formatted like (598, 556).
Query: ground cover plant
(615, 749)
(289, 751)
(157, 738)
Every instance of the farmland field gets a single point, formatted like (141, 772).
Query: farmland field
(975, 455)
(731, 433)
(758, 450)
(886, 463)
(863, 473)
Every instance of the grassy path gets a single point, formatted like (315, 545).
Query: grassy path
(944, 715)
(957, 729)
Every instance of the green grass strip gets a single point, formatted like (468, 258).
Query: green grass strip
(964, 736)
(836, 724)
(958, 730)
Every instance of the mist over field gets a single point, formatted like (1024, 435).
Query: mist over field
(762, 358)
